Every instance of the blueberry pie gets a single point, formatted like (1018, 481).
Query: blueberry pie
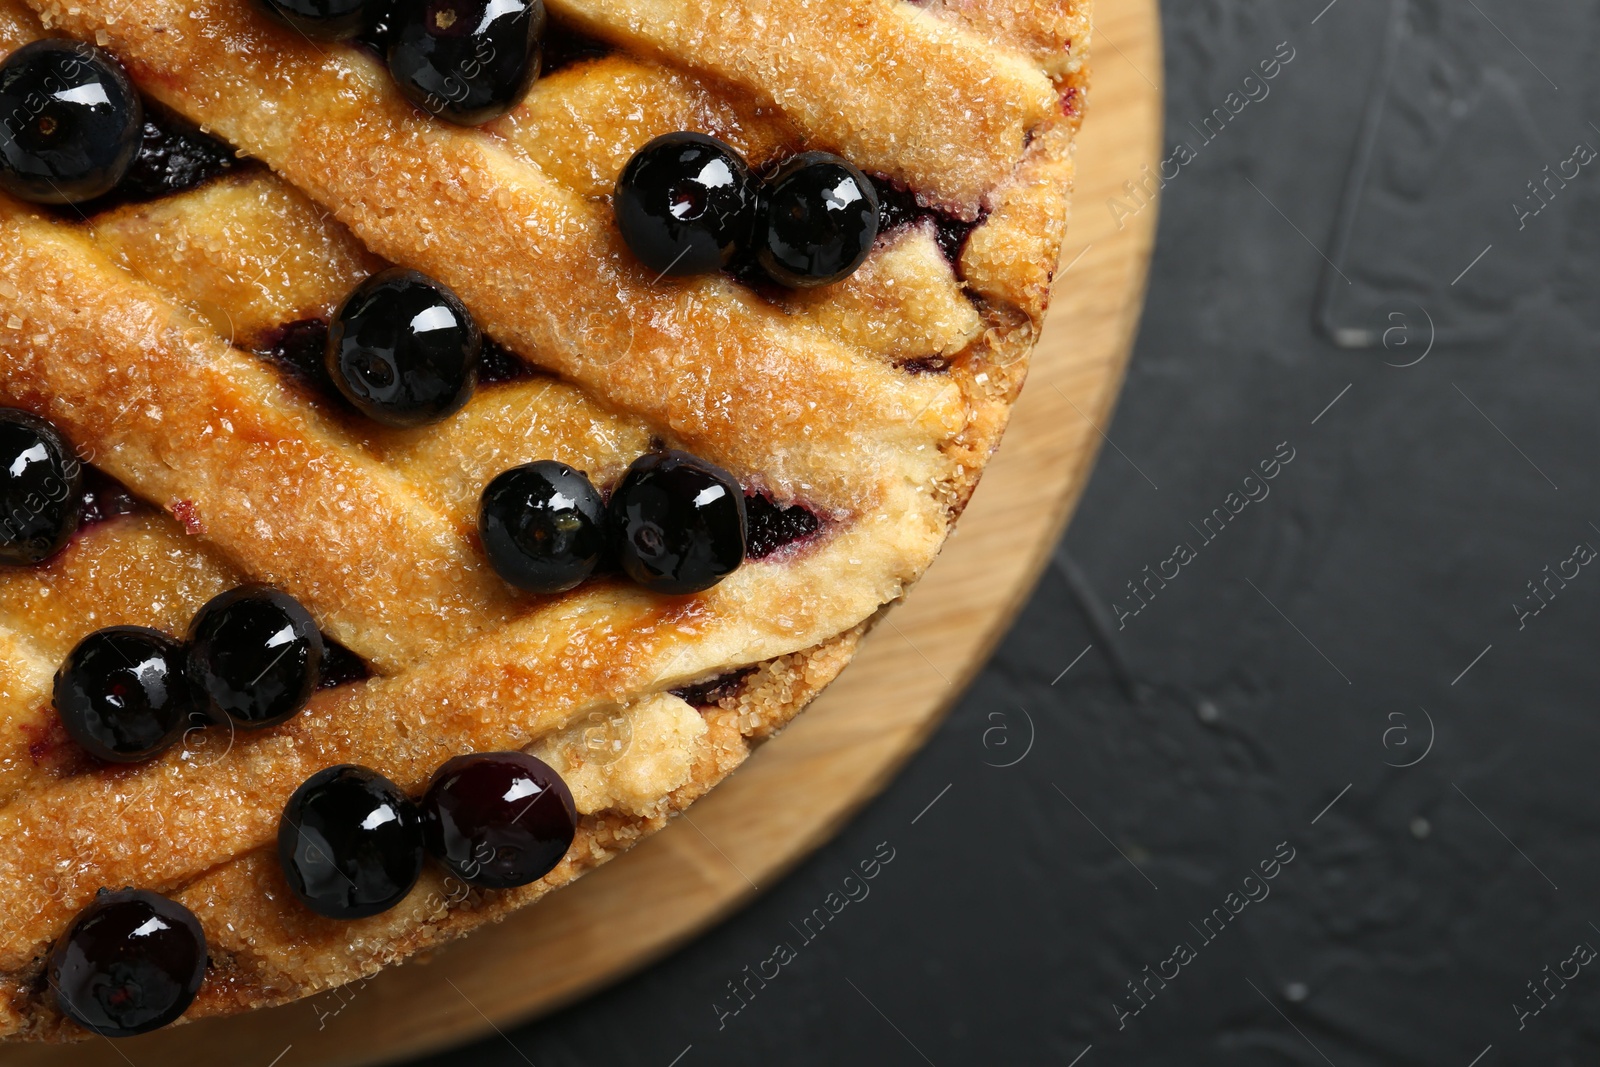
(440, 438)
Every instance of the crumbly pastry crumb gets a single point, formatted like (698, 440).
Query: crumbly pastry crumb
(140, 332)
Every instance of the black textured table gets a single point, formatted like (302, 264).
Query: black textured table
(1291, 758)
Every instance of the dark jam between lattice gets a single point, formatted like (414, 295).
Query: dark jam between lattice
(300, 350)
(174, 157)
(104, 498)
(898, 206)
(710, 694)
(565, 47)
(770, 526)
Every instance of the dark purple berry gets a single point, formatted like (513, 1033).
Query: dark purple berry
(41, 487)
(821, 220)
(350, 843)
(466, 61)
(677, 523)
(686, 203)
(131, 962)
(499, 819)
(255, 656)
(72, 122)
(404, 349)
(122, 693)
(543, 526)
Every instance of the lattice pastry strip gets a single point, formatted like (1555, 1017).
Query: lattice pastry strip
(1053, 36)
(581, 125)
(249, 254)
(858, 74)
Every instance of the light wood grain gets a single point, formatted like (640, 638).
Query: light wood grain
(796, 791)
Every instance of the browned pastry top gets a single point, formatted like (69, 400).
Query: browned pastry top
(146, 332)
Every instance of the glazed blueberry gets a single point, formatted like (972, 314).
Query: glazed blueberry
(350, 843)
(543, 526)
(131, 962)
(404, 349)
(686, 203)
(41, 487)
(330, 20)
(499, 819)
(122, 693)
(822, 217)
(73, 122)
(677, 523)
(255, 656)
(466, 61)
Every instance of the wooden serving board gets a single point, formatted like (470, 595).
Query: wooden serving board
(846, 747)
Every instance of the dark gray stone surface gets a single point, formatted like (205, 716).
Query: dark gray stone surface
(1369, 609)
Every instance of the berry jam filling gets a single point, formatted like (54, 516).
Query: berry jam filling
(897, 206)
(710, 694)
(770, 526)
(340, 666)
(174, 156)
(565, 46)
(926, 365)
(104, 498)
(497, 363)
(299, 349)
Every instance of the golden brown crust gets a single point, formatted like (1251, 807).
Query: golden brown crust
(208, 246)
(856, 76)
(120, 330)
